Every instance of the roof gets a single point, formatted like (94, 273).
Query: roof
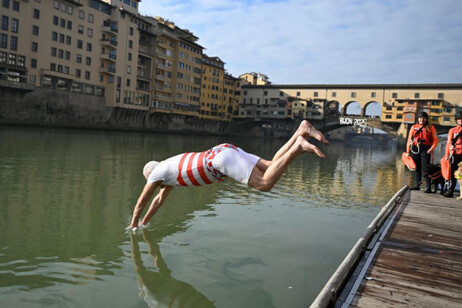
(359, 86)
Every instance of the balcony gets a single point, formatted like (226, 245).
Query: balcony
(111, 29)
(109, 57)
(109, 43)
(107, 70)
(146, 51)
(163, 97)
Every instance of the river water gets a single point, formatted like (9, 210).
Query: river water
(67, 198)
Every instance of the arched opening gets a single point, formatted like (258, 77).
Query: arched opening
(352, 108)
(373, 110)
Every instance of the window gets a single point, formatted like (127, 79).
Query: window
(388, 116)
(298, 93)
(78, 73)
(70, 10)
(373, 94)
(61, 38)
(5, 23)
(78, 58)
(131, 31)
(69, 25)
(79, 44)
(129, 69)
(87, 75)
(60, 53)
(90, 18)
(88, 61)
(416, 95)
(62, 23)
(68, 55)
(399, 116)
(90, 32)
(14, 43)
(35, 30)
(130, 44)
(281, 93)
(334, 94)
(56, 4)
(33, 63)
(34, 46)
(129, 56)
(394, 95)
(89, 46)
(128, 82)
(353, 94)
(55, 20)
(54, 36)
(441, 95)
(4, 41)
(16, 6)
(68, 40)
(316, 94)
(80, 29)
(6, 3)
(81, 14)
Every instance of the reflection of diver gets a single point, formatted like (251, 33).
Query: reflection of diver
(159, 288)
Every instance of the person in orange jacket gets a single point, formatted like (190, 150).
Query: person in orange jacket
(454, 151)
(421, 142)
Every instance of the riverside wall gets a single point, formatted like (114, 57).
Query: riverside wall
(48, 107)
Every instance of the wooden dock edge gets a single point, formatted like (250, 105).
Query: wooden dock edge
(333, 288)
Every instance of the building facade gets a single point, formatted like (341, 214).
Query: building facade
(104, 48)
(212, 102)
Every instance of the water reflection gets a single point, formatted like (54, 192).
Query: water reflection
(67, 197)
(157, 286)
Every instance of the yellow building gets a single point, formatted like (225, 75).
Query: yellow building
(255, 79)
(177, 69)
(231, 96)
(405, 110)
(212, 103)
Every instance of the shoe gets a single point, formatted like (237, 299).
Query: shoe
(449, 194)
(415, 188)
(427, 190)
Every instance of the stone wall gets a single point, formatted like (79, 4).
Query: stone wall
(47, 107)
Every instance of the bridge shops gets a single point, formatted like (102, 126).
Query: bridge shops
(398, 103)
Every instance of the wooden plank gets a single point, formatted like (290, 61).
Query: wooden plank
(420, 260)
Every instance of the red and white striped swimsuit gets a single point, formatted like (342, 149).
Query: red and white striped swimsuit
(190, 169)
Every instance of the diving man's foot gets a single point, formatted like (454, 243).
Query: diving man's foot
(308, 147)
(307, 130)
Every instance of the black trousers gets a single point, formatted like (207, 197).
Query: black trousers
(457, 160)
(422, 160)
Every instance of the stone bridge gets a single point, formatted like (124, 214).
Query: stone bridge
(284, 128)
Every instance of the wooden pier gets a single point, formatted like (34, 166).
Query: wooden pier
(413, 258)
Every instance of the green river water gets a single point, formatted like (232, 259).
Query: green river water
(66, 198)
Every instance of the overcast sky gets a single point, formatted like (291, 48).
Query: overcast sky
(326, 41)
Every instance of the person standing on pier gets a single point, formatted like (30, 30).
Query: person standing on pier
(454, 151)
(421, 142)
(214, 165)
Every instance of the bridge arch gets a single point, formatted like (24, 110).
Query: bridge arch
(347, 108)
(372, 109)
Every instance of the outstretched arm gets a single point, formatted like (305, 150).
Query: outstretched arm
(157, 203)
(144, 198)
